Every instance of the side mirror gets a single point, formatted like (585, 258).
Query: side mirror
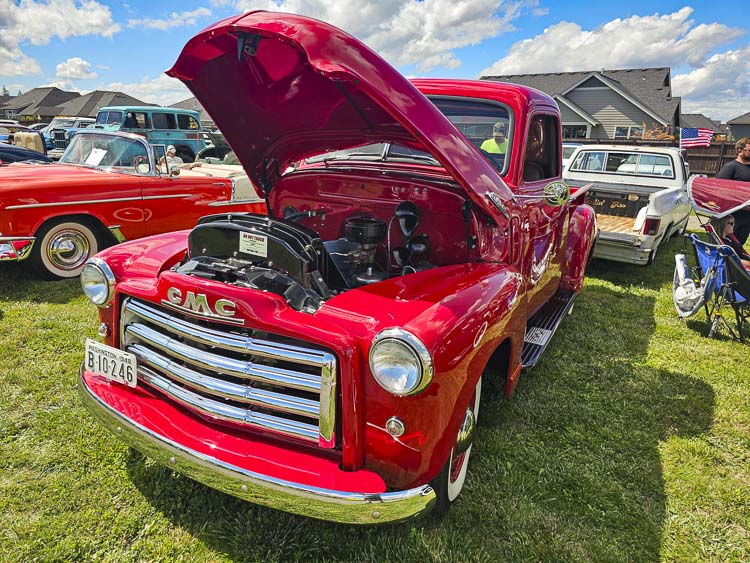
(174, 170)
(556, 194)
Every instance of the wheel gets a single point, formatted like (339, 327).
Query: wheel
(450, 481)
(62, 248)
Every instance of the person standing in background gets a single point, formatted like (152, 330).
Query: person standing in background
(739, 169)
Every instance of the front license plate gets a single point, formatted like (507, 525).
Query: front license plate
(111, 363)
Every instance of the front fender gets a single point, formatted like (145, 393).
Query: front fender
(461, 327)
(578, 246)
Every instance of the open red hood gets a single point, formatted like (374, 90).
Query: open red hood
(283, 87)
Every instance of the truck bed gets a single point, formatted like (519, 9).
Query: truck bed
(613, 224)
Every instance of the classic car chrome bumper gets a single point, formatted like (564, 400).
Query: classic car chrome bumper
(315, 502)
(15, 248)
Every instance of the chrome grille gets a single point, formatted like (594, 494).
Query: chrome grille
(59, 140)
(252, 379)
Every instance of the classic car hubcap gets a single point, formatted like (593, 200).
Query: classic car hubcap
(68, 250)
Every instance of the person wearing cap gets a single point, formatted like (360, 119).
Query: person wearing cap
(171, 158)
(498, 143)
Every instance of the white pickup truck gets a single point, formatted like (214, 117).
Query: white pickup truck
(639, 194)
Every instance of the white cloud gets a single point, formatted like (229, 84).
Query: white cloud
(75, 68)
(719, 88)
(37, 22)
(175, 19)
(404, 31)
(162, 90)
(637, 41)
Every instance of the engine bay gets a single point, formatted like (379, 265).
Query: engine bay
(283, 257)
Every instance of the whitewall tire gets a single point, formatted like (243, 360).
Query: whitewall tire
(62, 248)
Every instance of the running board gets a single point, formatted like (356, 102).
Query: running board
(542, 326)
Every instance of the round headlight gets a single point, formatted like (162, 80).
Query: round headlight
(98, 281)
(399, 362)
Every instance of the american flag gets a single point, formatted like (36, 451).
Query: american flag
(695, 137)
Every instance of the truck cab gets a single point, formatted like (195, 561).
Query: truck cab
(327, 359)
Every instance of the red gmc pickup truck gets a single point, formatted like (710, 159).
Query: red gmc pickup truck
(328, 359)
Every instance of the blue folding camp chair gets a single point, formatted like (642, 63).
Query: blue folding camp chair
(719, 281)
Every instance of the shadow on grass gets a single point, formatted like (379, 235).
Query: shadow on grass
(19, 283)
(568, 469)
(648, 277)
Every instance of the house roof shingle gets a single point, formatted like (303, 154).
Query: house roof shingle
(38, 99)
(649, 85)
(743, 119)
(88, 104)
(193, 104)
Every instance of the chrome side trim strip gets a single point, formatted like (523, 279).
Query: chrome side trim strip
(94, 201)
(314, 502)
(225, 412)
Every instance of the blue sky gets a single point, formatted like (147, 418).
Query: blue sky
(98, 44)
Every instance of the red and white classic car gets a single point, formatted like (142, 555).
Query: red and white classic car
(107, 188)
(328, 359)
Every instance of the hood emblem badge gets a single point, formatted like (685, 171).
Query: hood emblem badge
(197, 304)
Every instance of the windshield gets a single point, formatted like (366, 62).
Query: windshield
(109, 118)
(383, 152)
(107, 152)
(58, 123)
(486, 124)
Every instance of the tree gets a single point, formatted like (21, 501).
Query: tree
(5, 91)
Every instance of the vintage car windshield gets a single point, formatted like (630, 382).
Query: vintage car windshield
(486, 125)
(109, 118)
(108, 152)
(382, 152)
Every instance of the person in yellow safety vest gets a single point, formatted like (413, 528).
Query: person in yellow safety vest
(498, 143)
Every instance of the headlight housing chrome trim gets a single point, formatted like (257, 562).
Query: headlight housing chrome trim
(97, 266)
(415, 346)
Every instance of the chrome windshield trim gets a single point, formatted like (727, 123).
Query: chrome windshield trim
(305, 500)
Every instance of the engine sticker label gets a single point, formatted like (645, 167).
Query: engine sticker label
(250, 243)
(538, 336)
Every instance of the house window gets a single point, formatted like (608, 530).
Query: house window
(632, 132)
(574, 131)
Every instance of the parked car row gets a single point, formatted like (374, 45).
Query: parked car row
(107, 188)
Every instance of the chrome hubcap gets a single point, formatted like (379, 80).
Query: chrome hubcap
(68, 250)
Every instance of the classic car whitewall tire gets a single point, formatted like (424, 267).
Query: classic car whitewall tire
(62, 248)
(450, 481)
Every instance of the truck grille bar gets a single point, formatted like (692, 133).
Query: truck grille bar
(263, 383)
(59, 140)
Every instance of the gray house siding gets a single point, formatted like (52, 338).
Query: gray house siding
(739, 131)
(610, 109)
(569, 116)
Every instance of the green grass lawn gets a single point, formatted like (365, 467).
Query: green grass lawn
(630, 440)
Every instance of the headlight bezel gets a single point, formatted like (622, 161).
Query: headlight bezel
(108, 280)
(410, 343)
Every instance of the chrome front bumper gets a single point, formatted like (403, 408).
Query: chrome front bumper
(15, 248)
(325, 504)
